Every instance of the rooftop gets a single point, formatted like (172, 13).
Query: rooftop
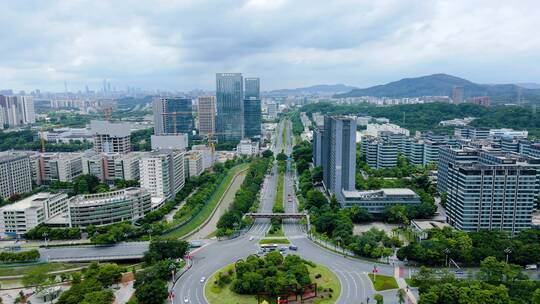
(33, 201)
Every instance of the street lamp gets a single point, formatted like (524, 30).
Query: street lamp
(150, 233)
(507, 251)
(446, 253)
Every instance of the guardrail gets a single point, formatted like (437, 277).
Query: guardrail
(96, 258)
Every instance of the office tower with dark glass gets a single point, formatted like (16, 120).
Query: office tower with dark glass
(173, 116)
(230, 107)
(252, 108)
(339, 154)
(252, 88)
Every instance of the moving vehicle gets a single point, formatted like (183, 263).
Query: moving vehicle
(531, 267)
(283, 248)
(268, 247)
(203, 279)
(251, 238)
(186, 300)
(293, 248)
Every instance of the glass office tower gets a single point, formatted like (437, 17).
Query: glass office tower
(230, 107)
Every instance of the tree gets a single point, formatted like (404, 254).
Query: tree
(109, 274)
(315, 198)
(317, 174)
(36, 277)
(536, 297)
(396, 214)
(161, 249)
(492, 270)
(401, 295)
(359, 215)
(379, 299)
(281, 156)
(105, 296)
(267, 153)
(154, 292)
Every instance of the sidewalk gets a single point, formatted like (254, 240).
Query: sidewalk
(403, 285)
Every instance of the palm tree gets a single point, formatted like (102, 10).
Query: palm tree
(401, 294)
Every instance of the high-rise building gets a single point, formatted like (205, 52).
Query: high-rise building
(162, 173)
(230, 110)
(27, 109)
(111, 137)
(16, 110)
(252, 118)
(207, 114)
(15, 174)
(450, 157)
(317, 146)
(173, 116)
(339, 154)
(457, 94)
(379, 152)
(252, 88)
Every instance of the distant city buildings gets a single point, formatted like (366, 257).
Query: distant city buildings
(16, 111)
(457, 94)
(169, 141)
(207, 114)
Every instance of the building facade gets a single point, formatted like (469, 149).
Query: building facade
(252, 88)
(229, 104)
(111, 137)
(15, 174)
(207, 115)
(162, 173)
(173, 116)
(375, 201)
(252, 118)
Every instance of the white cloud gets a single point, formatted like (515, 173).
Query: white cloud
(181, 44)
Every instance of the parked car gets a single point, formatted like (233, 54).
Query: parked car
(292, 247)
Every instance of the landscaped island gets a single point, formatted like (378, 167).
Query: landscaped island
(270, 277)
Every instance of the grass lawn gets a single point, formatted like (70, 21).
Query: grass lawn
(210, 205)
(47, 267)
(274, 241)
(278, 202)
(211, 235)
(382, 282)
(224, 295)
(410, 282)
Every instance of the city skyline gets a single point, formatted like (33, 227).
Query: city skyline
(288, 43)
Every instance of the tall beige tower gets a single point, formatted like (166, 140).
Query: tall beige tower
(207, 114)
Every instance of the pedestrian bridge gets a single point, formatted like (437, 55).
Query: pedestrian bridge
(277, 215)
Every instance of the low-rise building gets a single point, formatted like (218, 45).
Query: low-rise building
(375, 201)
(193, 164)
(16, 219)
(169, 141)
(207, 153)
(247, 147)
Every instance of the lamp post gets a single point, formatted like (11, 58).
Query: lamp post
(507, 251)
(150, 233)
(172, 268)
(45, 235)
(446, 253)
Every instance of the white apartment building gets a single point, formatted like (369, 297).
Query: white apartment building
(60, 166)
(247, 147)
(15, 174)
(111, 137)
(194, 163)
(162, 173)
(16, 219)
(375, 130)
(207, 153)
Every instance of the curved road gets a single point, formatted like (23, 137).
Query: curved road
(352, 273)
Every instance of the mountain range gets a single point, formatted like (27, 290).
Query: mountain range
(323, 89)
(443, 85)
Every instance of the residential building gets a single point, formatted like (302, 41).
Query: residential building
(457, 94)
(15, 174)
(375, 201)
(173, 116)
(339, 154)
(272, 110)
(471, 133)
(207, 115)
(193, 164)
(508, 133)
(170, 141)
(450, 157)
(247, 147)
(60, 166)
(379, 152)
(230, 110)
(207, 153)
(375, 130)
(480, 100)
(162, 173)
(252, 118)
(18, 218)
(16, 111)
(111, 137)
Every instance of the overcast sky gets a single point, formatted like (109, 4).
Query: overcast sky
(180, 45)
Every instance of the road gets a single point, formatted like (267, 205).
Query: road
(228, 198)
(131, 250)
(352, 273)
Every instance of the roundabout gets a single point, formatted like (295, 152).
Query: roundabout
(219, 287)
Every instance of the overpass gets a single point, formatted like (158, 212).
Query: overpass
(84, 253)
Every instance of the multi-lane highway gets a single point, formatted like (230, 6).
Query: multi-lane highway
(352, 273)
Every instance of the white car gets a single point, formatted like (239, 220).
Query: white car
(251, 238)
(186, 300)
(203, 279)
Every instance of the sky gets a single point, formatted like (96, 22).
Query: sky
(180, 45)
